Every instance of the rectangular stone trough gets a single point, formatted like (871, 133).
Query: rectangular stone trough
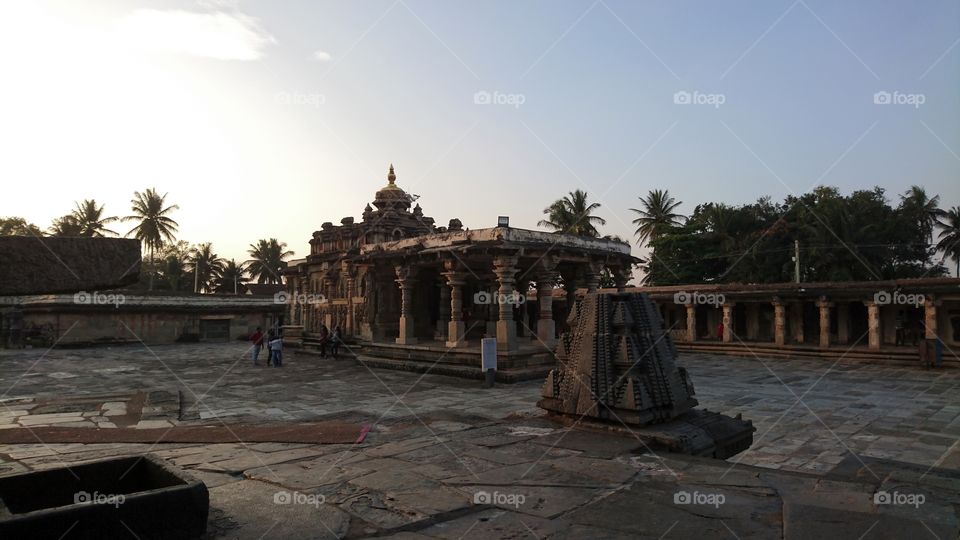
(137, 496)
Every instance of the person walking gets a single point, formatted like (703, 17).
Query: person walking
(257, 345)
(324, 339)
(335, 340)
(276, 350)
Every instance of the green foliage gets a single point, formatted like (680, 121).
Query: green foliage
(17, 226)
(573, 215)
(842, 238)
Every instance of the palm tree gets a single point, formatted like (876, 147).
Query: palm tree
(154, 224)
(66, 226)
(90, 218)
(925, 210)
(656, 215)
(174, 265)
(572, 215)
(232, 277)
(206, 267)
(17, 226)
(267, 260)
(949, 237)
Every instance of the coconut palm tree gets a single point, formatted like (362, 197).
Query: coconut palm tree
(173, 267)
(91, 220)
(154, 223)
(572, 215)
(924, 209)
(66, 226)
(656, 215)
(206, 267)
(232, 278)
(949, 237)
(267, 260)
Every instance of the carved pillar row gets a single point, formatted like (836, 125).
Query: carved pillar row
(348, 270)
(406, 279)
(504, 266)
(873, 324)
(824, 307)
(779, 322)
(691, 321)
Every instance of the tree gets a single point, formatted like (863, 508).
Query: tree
(949, 237)
(205, 266)
(173, 267)
(267, 260)
(90, 219)
(17, 226)
(65, 226)
(572, 215)
(656, 215)
(154, 225)
(232, 278)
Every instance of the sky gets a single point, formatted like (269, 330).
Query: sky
(267, 118)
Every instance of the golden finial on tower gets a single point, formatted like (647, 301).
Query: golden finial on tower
(391, 176)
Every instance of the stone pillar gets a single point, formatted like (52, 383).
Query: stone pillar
(930, 317)
(591, 275)
(727, 322)
(406, 278)
(455, 328)
(522, 288)
(824, 307)
(443, 315)
(505, 268)
(753, 321)
(779, 323)
(843, 323)
(873, 324)
(620, 278)
(691, 321)
(546, 326)
(348, 270)
(796, 321)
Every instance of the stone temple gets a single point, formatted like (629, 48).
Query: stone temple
(409, 291)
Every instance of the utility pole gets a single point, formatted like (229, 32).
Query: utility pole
(796, 260)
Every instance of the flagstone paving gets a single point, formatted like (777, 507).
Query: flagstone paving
(842, 450)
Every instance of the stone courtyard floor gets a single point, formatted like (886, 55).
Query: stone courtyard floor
(841, 450)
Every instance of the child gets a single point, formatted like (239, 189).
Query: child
(276, 351)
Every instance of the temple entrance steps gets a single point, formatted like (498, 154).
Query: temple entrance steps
(530, 361)
(898, 356)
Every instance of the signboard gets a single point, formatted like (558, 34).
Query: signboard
(488, 353)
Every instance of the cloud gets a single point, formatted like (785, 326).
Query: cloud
(219, 35)
(322, 56)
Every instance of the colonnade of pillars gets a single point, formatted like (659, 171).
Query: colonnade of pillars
(451, 326)
(796, 328)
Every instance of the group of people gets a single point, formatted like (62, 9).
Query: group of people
(274, 343)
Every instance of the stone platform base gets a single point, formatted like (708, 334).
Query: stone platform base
(697, 432)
